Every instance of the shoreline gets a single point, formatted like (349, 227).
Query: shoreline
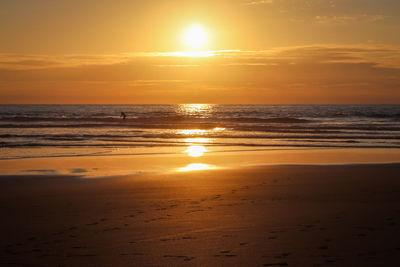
(121, 165)
(188, 172)
(177, 150)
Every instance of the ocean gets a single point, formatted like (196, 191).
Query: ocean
(30, 131)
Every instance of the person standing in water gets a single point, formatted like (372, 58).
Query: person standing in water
(123, 115)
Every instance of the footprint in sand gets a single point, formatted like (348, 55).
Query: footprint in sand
(8, 251)
(276, 264)
(81, 255)
(226, 253)
(187, 237)
(59, 233)
(111, 229)
(283, 255)
(192, 211)
(131, 254)
(185, 258)
(331, 261)
(155, 219)
(277, 231)
(216, 197)
(227, 235)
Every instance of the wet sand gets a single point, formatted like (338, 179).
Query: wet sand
(343, 215)
(178, 159)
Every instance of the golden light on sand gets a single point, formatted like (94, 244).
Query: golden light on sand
(196, 151)
(195, 37)
(196, 167)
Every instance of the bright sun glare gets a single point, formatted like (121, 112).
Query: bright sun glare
(196, 151)
(195, 37)
(196, 167)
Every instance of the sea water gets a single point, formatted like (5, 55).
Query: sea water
(29, 131)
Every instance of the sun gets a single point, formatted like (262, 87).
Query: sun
(195, 37)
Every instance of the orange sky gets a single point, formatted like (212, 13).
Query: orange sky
(271, 51)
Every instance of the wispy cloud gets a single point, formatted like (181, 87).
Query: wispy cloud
(18, 61)
(379, 55)
(324, 11)
(259, 2)
(346, 19)
(315, 72)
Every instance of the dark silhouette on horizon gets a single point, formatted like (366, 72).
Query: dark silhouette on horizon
(123, 115)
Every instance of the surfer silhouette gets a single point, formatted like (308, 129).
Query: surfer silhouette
(123, 115)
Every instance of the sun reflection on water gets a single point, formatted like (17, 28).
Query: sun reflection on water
(197, 140)
(219, 129)
(200, 110)
(201, 115)
(193, 132)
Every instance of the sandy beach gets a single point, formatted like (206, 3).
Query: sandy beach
(292, 215)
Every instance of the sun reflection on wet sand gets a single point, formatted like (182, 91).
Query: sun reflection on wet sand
(196, 151)
(196, 167)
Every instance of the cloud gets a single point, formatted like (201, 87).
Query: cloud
(18, 61)
(259, 2)
(314, 73)
(346, 19)
(339, 12)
